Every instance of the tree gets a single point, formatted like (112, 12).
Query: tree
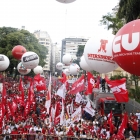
(79, 53)
(129, 10)
(135, 91)
(10, 37)
(124, 12)
(115, 77)
(80, 50)
(111, 21)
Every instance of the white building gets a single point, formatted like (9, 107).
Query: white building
(55, 58)
(70, 45)
(45, 40)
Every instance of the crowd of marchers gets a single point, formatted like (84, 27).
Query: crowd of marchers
(35, 123)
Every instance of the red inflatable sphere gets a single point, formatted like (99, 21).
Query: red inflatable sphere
(18, 51)
(126, 47)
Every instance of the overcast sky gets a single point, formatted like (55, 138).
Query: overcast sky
(80, 18)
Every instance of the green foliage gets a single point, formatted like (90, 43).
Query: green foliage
(112, 22)
(10, 37)
(129, 10)
(115, 77)
(79, 54)
(135, 91)
(124, 12)
(80, 50)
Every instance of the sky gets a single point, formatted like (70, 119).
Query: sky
(77, 19)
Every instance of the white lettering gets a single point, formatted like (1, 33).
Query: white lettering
(134, 44)
(125, 43)
(116, 47)
(81, 83)
(92, 81)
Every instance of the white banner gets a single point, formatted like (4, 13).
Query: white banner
(76, 115)
(61, 91)
(89, 109)
(78, 98)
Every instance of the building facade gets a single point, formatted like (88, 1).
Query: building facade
(45, 40)
(55, 58)
(70, 46)
(118, 71)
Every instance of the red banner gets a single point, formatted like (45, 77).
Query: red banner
(91, 82)
(4, 94)
(118, 88)
(123, 126)
(40, 82)
(78, 85)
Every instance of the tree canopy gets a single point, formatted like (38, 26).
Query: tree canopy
(10, 37)
(124, 12)
(80, 50)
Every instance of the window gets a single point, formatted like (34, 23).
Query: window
(42, 43)
(41, 39)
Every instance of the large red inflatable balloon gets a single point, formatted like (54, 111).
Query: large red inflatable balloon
(18, 51)
(126, 47)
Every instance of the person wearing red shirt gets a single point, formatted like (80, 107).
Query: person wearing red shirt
(76, 128)
(14, 133)
(20, 129)
(134, 127)
(28, 125)
(43, 130)
(70, 133)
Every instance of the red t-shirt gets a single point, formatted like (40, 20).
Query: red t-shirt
(70, 133)
(14, 136)
(103, 136)
(43, 130)
(20, 130)
(135, 126)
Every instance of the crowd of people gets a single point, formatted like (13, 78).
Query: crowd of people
(38, 124)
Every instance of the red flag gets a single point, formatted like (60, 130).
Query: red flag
(63, 79)
(78, 85)
(20, 100)
(48, 97)
(27, 108)
(118, 88)
(8, 111)
(110, 122)
(91, 82)
(4, 94)
(123, 126)
(2, 112)
(40, 82)
(22, 91)
(14, 107)
(31, 93)
(57, 113)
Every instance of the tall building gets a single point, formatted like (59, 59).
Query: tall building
(55, 58)
(70, 45)
(45, 40)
